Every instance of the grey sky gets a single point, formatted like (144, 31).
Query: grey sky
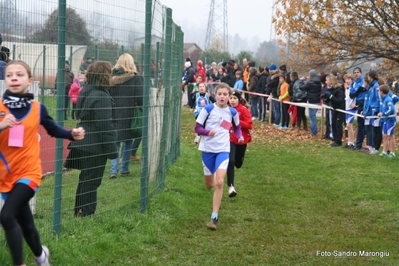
(250, 18)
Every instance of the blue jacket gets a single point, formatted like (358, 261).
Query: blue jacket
(387, 108)
(372, 100)
(360, 95)
(239, 85)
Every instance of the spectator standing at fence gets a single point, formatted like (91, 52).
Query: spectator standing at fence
(237, 148)
(201, 99)
(69, 76)
(252, 83)
(299, 96)
(4, 49)
(214, 124)
(189, 81)
(358, 92)
(284, 98)
(388, 128)
(350, 107)
(127, 92)
(74, 93)
(95, 111)
(272, 90)
(239, 84)
(335, 96)
(21, 172)
(200, 70)
(372, 108)
(313, 92)
(261, 88)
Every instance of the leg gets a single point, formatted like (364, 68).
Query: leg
(115, 162)
(360, 132)
(89, 180)
(135, 147)
(126, 152)
(313, 121)
(338, 125)
(230, 168)
(15, 208)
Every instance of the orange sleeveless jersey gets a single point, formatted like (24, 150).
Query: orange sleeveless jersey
(21, 162)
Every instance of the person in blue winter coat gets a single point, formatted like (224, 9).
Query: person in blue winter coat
(372, 108)
(387, 114)
(358, 92)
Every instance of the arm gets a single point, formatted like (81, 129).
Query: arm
(200, 130)
(245, 119)
(51, 127)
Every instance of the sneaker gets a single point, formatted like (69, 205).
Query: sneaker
(390, 155)
(253, 118)
(335, 145)
(232, 192)
(134, 158)
(125, 174)
(46, 260)
(365, 149)
(213, 224)
(382, 154)
(374, 152)
(197, 139)
(112, 176)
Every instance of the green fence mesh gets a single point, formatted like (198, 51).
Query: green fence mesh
(45, 34)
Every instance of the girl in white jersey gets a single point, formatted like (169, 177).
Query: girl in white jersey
(214, 124)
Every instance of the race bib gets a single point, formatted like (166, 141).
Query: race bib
(16, 136)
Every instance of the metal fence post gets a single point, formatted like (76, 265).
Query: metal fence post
(60, 115)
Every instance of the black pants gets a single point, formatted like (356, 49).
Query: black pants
(328, 123)
(285, 117)
(189, 95)
(67, 100)
(336, 124)
(377, 137)
(74, 111)
(237, 153)
(17, 221)
(90, 179)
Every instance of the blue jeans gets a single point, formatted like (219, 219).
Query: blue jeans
(135, 147)
(276, 112)
(126, 151)
(254, 106)
(313, 120)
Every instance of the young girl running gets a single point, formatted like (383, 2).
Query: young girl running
(213, 124)
(237, 150)
(19, 123)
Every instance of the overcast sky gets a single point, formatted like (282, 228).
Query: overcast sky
(248, 18)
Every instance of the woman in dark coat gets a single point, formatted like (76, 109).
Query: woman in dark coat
(127, 92)
(94, 109)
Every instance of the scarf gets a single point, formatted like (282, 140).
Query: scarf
(17, 101)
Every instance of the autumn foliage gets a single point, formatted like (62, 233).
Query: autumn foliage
(318, 33)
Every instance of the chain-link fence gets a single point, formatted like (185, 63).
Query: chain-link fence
(48, 36)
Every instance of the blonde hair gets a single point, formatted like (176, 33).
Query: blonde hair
(223, 85)
(334, 81)
(126, 61)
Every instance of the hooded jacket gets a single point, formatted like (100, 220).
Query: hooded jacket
(127, 92)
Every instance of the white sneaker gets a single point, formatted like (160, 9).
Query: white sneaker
(232, 192)
(374, 152)
(46, 260)
(197, 139)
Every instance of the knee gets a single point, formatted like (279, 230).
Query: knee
(7, 220)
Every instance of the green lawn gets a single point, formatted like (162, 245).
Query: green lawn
(299, 203)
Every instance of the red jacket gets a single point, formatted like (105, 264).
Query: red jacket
(245, 123)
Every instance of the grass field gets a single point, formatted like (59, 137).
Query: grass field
(299, 202)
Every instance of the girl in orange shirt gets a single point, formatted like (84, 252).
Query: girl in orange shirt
(20, 165)
(284, 97)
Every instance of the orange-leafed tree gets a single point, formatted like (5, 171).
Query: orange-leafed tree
(318, 33)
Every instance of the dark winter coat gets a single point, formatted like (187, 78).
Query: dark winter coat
(272, 85)
(313, 89)
(253, 82)
(94, 109)
(261, 86)
(127, 92)
(337, 98)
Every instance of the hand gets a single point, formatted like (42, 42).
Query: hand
(241, 140)
(379, 114)
(352, 106)
(8, 121)
(269, 99)
(326, 95)
(78, 133)
(191, 110)
(212, 133)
